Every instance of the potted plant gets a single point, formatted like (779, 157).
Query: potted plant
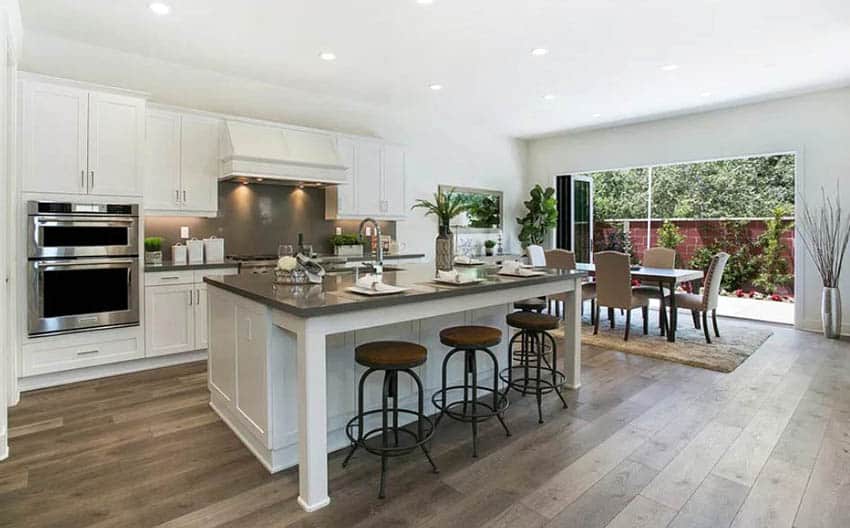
(153, 251)
(542, 216)
(488, 247)
(825, 232)
(347, 245)
(445, 207)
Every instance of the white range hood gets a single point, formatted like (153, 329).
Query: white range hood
(284, 156)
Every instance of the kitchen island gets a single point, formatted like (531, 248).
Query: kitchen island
(281, 358)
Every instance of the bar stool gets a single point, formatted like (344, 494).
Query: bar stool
(390, 357)
(531, 305)
(470, 340)
(534, 373)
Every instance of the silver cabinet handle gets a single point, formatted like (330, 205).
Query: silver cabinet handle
(190, 298)
(169, 278)
(91, 173)
(197, 296)
(184, 196)
(83, 178)
(87, 352)
(177, 196)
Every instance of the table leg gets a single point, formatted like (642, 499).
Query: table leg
(572, 337)
(674, 315)
(662, 311)
(312, 419)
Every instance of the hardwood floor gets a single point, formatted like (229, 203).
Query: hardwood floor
(645, 443)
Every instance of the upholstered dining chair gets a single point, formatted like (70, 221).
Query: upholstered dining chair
(614, 289)
(566, 260)
(536, 256)
(661, 258)
(707, 302)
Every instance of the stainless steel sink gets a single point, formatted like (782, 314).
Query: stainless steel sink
(367, 268)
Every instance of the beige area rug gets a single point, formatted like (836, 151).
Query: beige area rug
(724, 354)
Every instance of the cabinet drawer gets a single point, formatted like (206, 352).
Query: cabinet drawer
(200, 274)
(165, 278)
(56, 359)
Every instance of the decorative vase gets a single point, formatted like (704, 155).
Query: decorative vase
(830, 312)
(444, 253)
(153, 258)
(488, 252)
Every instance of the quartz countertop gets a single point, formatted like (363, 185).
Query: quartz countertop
(189, 267)
(330, 297)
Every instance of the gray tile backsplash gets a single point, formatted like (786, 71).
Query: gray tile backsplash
(256, 218)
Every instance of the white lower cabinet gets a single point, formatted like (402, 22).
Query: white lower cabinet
(176, 311)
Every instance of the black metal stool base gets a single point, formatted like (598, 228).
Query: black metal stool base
(536, 374)
(390, 440)
(472, 409)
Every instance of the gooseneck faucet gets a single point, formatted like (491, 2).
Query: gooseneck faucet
(379, 264)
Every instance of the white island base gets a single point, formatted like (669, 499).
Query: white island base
(287, 385)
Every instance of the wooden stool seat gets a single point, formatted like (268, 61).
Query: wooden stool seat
(531, 305)
(471, 336)
(533, 321)
(389, 355)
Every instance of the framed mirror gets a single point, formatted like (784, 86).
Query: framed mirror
(486, 209)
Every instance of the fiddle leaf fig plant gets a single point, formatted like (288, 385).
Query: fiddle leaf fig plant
(542, 216)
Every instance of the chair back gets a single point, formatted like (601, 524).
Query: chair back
(613, 279)
(713, 279)
(560, 259)
(536, 256)
(660, 257)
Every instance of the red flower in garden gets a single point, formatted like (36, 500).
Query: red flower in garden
(739, 293)
(776, 297)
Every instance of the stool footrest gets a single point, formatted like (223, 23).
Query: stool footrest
(439, 397)
(362, 440)
(532, 384)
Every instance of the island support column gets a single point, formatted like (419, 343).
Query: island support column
(312, 417)
(572, 337)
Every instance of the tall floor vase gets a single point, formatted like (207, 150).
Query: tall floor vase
(831, 313)
(444, 252)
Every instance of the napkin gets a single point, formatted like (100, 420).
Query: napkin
(454, 276)
(464, 259)
(513, 267)
(373, 282)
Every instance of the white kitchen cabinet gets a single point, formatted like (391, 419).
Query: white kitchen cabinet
(77, 141)
(202, 327)
(376, 179)
(183, 164)
(169, 319)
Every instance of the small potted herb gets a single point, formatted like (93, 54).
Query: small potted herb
(347, 245)
(488, 247)
(153, 251)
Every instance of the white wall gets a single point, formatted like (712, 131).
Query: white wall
(815, 126)
(439, 150)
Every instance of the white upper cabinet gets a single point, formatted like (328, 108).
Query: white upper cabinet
(376, 181)
(78, 141)
(54, 138)
(183, 164)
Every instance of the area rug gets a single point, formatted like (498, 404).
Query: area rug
(724, 354)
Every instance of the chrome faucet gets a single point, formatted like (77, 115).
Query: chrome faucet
(379, 264)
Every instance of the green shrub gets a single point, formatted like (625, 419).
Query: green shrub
(742, 267)
(350, 239)
(153, 244)
(773, 268)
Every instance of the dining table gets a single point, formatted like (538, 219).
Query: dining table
(665, 278)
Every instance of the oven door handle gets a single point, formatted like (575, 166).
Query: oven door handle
(82, 262)
(74, 221)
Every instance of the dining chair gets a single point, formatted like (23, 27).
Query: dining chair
(614, 289)
(566, 260)
(662, 258)
(536, 256)
(710, 294)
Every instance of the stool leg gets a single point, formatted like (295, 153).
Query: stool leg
(356, 444)
(420, 432)
(473, 371)
(496, 393)
(394, 394)
(526, 357)
(384, 434)
(539, 392)
(554, 367)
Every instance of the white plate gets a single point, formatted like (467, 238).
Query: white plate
(372, 293)
(453, 283)
(529, 274)
(473, 263)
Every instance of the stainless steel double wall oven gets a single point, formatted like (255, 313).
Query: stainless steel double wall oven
(82, 268)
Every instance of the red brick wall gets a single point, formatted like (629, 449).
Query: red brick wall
(697, 233)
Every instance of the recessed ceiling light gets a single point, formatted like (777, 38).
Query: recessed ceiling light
(159, 8)
(327, 56)
(705, 94)
(539, 52)
(597, 115)
(549, 97)
(425, 2)
(670, 67)
(436, 87)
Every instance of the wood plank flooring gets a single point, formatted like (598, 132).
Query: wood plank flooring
(645, 443)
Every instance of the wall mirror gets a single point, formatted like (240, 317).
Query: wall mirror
(485, 209)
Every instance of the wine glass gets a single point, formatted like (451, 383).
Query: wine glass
(285, 250)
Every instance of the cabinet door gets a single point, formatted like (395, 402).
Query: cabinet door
(116, 144)
(202, 338)
(368, 178)
(199, 164)
(346, 196)
(169, 319)
(394, 180)
(54, 125)
(162, 171)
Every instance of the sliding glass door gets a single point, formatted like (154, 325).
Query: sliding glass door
(575, 215)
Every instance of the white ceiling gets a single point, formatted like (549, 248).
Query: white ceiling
(605, 55)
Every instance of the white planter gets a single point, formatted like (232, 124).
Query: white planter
(349, 251)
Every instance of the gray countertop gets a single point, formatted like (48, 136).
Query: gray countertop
(331, 297)
(189, 267)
